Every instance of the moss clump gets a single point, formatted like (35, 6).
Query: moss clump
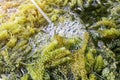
(78, 66)
(51, 56)
(110, 33)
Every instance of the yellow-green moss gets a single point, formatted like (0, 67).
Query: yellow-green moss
(78, 66)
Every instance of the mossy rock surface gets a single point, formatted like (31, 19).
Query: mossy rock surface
(82, 44)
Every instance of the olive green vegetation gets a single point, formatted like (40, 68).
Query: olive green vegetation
(95, 57)
(78, 65)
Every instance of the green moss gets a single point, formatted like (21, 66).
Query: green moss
(53, 45)
(37, 71)
(63, 58)
(4, 35)
(99, 64)
(51, 56)
(78, 66)
(90, 59)
(25, 77)
(106, 23)
(110, 33)
(92, 77)
(12, 42)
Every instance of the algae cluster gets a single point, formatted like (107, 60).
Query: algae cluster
(29, 52)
